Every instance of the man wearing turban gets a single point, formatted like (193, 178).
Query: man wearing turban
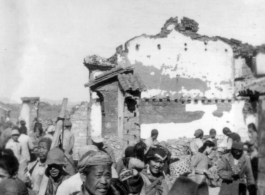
(95, 170)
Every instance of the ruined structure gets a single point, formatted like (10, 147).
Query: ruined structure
(4, 112)
(29, 111)
(187, 81)
(116, 96)
(79, 118)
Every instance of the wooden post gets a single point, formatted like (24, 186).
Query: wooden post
(120, 112)
(261, 147)
(55, 142)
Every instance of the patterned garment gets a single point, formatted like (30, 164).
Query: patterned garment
(180, 167)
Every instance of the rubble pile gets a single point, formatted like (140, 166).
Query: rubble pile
(116, 144)
(187, 25)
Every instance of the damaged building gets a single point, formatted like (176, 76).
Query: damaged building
(176, 81)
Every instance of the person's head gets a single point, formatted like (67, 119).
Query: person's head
(95, 170)
(22, 122)
(235, 137)
(212, 133)
(237, 150)
(198, 133)
(156, 158)
(55, 161)
(252, 128)
(97, 141)
(8, 166)
(226, 131)
(44, 147)
(15, 134)
(67, 125)
(207, 147)
(139, 150)
(38, 131)
(154, 134)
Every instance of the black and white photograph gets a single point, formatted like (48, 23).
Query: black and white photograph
(132, 97)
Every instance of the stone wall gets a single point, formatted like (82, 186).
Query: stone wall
(109, 95)
(80, 127)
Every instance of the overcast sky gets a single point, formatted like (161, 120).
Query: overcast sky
(43, 43)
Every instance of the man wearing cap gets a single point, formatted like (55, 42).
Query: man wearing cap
(196, 143)
(55, 170)
(14, 144)
(67, 137)
(152, 140)
(37, 168)
(68, 141)
(234, 169)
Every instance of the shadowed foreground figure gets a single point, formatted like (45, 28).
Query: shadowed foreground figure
(55, 170)
(9, 183)
(235, 170)
(185, 186)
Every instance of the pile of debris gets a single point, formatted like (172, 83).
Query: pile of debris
(116, 144)
(187, 25)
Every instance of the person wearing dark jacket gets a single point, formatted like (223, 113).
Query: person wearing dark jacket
(55, 170)
(233, 168)
(9, 183)
(23, 129)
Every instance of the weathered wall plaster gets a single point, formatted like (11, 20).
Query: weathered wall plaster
(96, 118)
(232, 117)
(177, 66)
(260, 60)
(80, 128)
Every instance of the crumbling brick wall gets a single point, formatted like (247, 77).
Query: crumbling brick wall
(131, 122)
(109, 108)
(80, 127)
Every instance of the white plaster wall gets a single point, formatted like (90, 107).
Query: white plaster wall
(260, 63)
(96, 119)
(214, 66)
(233, 119)
(25, 114)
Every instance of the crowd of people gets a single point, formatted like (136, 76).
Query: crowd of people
(26, 161)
